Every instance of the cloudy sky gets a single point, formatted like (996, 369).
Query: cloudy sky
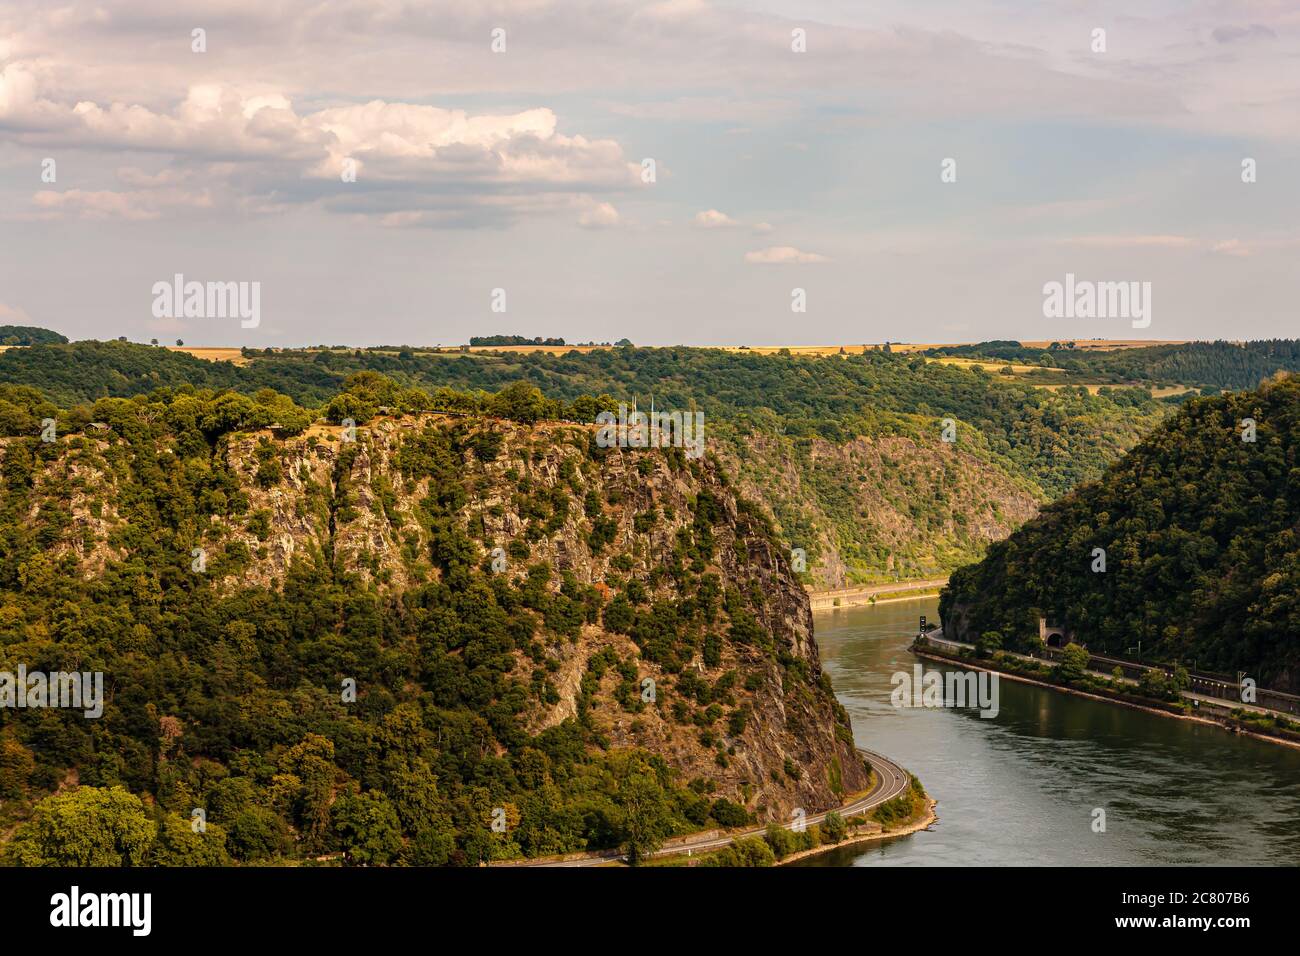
(524, 168)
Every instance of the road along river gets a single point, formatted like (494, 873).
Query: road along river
(1024, 787)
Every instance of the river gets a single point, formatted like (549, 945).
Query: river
(1022, 787)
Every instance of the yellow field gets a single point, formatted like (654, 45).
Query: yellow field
(1107, 345)
(1155, 392)
(232, 354)
(1094, 345)
(989, 366)
(212, 355)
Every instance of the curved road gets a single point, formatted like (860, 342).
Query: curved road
(891, 780)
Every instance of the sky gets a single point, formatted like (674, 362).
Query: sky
(675, 172)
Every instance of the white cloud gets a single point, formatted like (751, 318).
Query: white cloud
(1134, 242)
(1178, 66)
(257, 146)
(778, 255)
(111, 204)
(1232, 247)
(713, 219)
(599, 215)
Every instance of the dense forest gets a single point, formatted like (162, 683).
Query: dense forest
(1209, 366)
(428, 643)
(1056, 438)
(1198, 531)
(28, 335)
(846, 451)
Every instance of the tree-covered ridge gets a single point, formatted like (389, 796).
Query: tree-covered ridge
(28, 335)
(493, 687)
(850, 506)
(1210, 366)
(845, 451)
(884, 507)
(480, 340)
(1056, 438)
(1202, 558)
(85, 371)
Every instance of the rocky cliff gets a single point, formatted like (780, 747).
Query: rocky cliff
(880, 508)
(663, 611)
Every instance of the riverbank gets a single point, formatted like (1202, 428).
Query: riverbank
(1017, 790)
(924, 822)
(1227, 724)
(891, 786)
(917, 596)
(833, 598)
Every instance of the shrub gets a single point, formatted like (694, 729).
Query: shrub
(257, 833)
(728, 814)
(833, 827)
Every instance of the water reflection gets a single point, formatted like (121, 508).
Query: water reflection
(1020, 788)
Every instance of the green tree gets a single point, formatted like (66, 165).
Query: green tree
(305, 784)
(1073, 664)
(433, 844)
(179, 844)
(89, 826)
(257, 833)
(348, 405)
(988, 642)
(753, 851)
(1154, 683)
(833, 827)
(728, 814)
(16, 767)
(367, 828)
(646, 815)
(782, 841)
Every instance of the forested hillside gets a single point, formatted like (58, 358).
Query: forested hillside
(460, 636)
(1211, 366)
(1201, 537)
(28, 335)
(845, 451)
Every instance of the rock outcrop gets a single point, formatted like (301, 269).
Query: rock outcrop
(699, 648)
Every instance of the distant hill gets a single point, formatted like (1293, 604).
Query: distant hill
(845, 451)
(28, 335)
(82, 372)
(1201, 534)
(512, 340)
(1203, 365)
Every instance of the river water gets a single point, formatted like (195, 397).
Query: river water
(1022, 787)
